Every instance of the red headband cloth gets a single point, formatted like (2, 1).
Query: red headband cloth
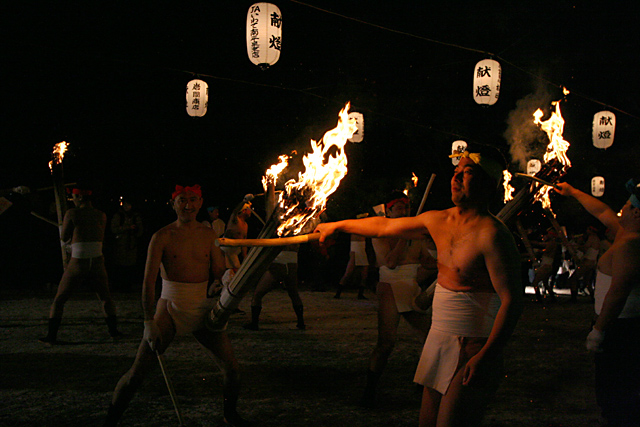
(180, 189)
(79, 192)
(394, 201)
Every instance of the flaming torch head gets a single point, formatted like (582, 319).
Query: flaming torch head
(556, 150)
(58, 154)
(304, 199)
(271, 175)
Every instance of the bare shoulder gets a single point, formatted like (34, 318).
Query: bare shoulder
(493, 231)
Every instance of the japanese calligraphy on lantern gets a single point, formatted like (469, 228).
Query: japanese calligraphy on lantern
(457, 147)
(264, 34)
(359, 134)
(597, 186)
(604, 128)
(533, 166)
(197, 98)
(486, 82)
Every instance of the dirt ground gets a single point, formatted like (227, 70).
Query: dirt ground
(290, 377)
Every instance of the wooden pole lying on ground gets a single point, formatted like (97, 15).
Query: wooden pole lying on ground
(280, 241)
(172, 393)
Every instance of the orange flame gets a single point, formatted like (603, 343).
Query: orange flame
(271, 175)
(557, 148)
(58, 153)
(413, 184)
(303, 199)
(508, 189)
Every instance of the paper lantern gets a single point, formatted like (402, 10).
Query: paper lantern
(359, 134)
(457, 147)
(597, 186)
(486, 82)
(533, 166)
(604, 128)
(197, 98)
(264, 34)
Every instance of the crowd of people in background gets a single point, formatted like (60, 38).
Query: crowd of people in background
(398, 258)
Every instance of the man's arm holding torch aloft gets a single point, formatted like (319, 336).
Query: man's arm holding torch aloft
(595, 207)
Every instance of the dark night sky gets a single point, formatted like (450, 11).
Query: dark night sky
(110, 80)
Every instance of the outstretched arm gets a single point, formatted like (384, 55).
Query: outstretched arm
(406, 227)
(595, 207)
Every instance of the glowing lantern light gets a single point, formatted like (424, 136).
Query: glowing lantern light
(264, 34)
(486, 82)
(597, 186)
(604, 128)
(359, 135)
(197, 98)
(533, 166)
(457, 147)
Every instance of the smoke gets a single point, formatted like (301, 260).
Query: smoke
(525, 140)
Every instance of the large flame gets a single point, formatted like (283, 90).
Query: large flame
(557, 148)
(303, 199)
(271, 175)
(58, 153)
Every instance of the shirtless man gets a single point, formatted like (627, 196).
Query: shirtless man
(398, 261)
(547, 266)
(237, 228)
(587, 265)
(186, 255)
(614, 337)
(477, 300)
(84, 226)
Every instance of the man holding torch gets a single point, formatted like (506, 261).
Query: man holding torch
(477, 300)
(185, 254)
(84, 227)
(614, 337)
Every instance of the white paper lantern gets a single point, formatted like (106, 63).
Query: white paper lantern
(359, 134)
(604, 129)
(264, 34)
(486, 82)
(457, 147)
(533, 166)
(197, 98)
(597, 186)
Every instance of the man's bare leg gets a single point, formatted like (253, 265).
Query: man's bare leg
(72, 275)
(145, 361)
(429, 408)
(219, 345)
(388, 320)
(101, 286)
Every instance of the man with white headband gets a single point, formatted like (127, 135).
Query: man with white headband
(614, 337)
(477, 300)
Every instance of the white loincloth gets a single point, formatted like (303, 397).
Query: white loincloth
(403, 284)
(358, 246)
(84, 250)
(187, 304)
(227, 277)
(455, 315)
(632, 305)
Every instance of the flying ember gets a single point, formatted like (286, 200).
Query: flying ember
(325, 167)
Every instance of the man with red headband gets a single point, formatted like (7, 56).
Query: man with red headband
(614, 337)
(398, 261)
(84, 226)
(185, 254)
(477, 299)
